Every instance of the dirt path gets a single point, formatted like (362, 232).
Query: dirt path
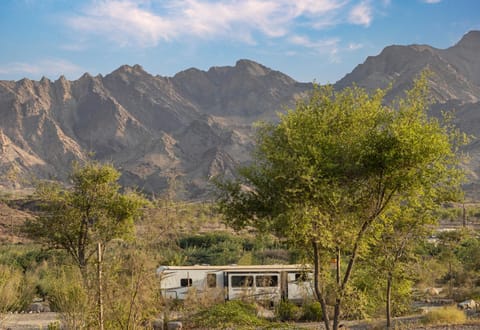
(37, 321)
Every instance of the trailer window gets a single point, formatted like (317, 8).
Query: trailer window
(211, 280)
(301, 277)
(239, 281)
(266, 280)
(185, 282)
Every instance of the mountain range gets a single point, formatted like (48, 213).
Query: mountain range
(169, 135)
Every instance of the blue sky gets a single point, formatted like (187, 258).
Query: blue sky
(319, 40)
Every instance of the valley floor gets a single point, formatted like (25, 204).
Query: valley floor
(40, 321)
(34, 321)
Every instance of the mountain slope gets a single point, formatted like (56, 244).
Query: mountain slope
(455, 71)
(174, 133)
(454, 82)
(161, 132)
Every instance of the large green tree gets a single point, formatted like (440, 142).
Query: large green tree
(323, 176)
(92, 210)
(392, 254)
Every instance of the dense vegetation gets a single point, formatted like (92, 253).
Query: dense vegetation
(447, 260)
(347, 176)
(342, 182)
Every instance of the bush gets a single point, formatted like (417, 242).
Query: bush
(445, 315)
(287, 311)
(16, 290)
(312, 311)
(66, 293)
(130, 288)
(232, 314)
(212, 248)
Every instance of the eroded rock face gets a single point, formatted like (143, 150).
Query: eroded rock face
(455, 71)
(166, 132)
(454, 83)
(158, 131)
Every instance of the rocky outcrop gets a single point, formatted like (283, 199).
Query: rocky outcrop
(455, 71)
(454, 82)
(159, 131)
(175, 133)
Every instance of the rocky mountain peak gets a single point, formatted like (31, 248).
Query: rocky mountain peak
(471, 40)
(252, 68)
(199, 123)
(132, 70)
(456, 70)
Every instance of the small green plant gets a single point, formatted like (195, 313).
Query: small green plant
(54, 326)
(312, 311)
(445, 315)
(232, 314)
(287, 311)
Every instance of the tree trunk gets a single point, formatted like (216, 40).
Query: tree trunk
(336, 314)
(100, 289)
(338, 301)
(318, 291)
(388, 301)
(82, 264)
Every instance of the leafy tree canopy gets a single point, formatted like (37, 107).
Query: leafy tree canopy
(92, 210)
(323, 176)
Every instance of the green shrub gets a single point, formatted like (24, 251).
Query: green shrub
(232, 314)
(63, 286)
(212, 248)
(16, 289)
(54, 326)
(287, 311)
(445, 315)
(312, 311)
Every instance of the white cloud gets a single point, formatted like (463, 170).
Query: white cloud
(361, 14)
(146, 23)
(354, 46)
(122, 21)
(47, 67)
(326, 46)
(431, 1)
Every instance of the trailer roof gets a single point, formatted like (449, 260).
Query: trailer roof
(237, 267)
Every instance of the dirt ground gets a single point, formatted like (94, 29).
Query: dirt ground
(34, 321)
(40, 321)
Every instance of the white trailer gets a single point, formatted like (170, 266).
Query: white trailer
(269, 283)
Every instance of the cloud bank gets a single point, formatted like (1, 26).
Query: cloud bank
(143, 23)
(51, 67)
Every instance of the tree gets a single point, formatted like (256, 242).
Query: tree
(91, 211)
(323, 176)
(392, 254)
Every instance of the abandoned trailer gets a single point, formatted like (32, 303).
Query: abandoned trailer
(269, 283)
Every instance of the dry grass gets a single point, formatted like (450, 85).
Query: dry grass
(445, 315)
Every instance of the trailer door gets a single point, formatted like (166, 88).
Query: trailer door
(240, 285)
(267, 287)
(299, 286)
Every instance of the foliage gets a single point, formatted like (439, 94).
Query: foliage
(212, 248)
(131, 288)
(92, 211)
(287, 311)
(229, 315)
(327, 172)
(26, 257)
(392, 252)
(67, 294)
(445, 315)
(16, 291)
(312, 311)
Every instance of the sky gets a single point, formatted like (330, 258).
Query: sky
(309, 40)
